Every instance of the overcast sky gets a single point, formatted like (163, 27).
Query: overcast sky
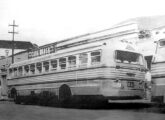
(46, 21)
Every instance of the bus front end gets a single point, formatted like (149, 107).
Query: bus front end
(127, 77)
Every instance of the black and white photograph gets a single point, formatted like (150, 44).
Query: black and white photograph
(82, 60)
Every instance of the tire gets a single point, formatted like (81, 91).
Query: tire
(17, 100)
(13, 93)
(15, 97)
(64, 95)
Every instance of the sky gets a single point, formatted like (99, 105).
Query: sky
(46, 21)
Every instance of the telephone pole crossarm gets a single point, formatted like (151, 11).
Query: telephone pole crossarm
(13, 32)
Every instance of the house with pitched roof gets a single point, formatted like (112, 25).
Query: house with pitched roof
(21, 49)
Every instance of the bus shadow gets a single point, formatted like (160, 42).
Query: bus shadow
(104, 106)
(137, 107)
(90, 104)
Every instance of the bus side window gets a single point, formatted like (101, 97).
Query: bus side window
(46, 66)
(95, 57)
(62, 63)
(39, 67)
(26, 69)
(54, 64)
(20, 71)
(71, 62)
(11, 72)
(15, 72)
(83, 60)
(32, 68)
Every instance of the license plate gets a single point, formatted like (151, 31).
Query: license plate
(130, 84)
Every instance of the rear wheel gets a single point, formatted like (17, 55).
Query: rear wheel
(65, 95)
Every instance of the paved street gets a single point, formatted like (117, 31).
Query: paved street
(11, 111)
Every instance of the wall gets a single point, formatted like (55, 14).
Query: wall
(3, 51)
(4, 64)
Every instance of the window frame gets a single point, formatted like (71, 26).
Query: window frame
(95, 57)
(61, 63)
(20, 72)
(11, 72)
(83, 61)
(38, 67)
(72, 62)
(46, 66)
(32, 69)
(52, 63)
(128, 62)
(15, 70)
(26, 70)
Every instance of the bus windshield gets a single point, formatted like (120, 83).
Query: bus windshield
(162, 42)
(129, 57)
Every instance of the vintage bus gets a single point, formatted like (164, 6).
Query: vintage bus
(100, 70)
(158, 73)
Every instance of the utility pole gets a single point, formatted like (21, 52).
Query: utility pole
(13, 33)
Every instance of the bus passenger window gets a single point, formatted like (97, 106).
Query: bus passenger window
(15, 72)
(39, 67)
(20, 71)
(26, 68)
(95, 57)
(71, 62)
(32, 68)
(62, 63)
(83, 59)
(54, 64)
(11, 72)
(46, 66)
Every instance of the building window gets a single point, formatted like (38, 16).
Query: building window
(71, 61)
(54, 64)
(62, 63)
(83, 59)
(39, 67)
(95, 57)
(46, 66)
(32, 68)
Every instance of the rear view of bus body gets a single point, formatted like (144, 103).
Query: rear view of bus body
(104, 70)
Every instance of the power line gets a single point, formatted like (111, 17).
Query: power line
(13, 34)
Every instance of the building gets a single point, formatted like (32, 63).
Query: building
(20, 53)
(6, 47)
